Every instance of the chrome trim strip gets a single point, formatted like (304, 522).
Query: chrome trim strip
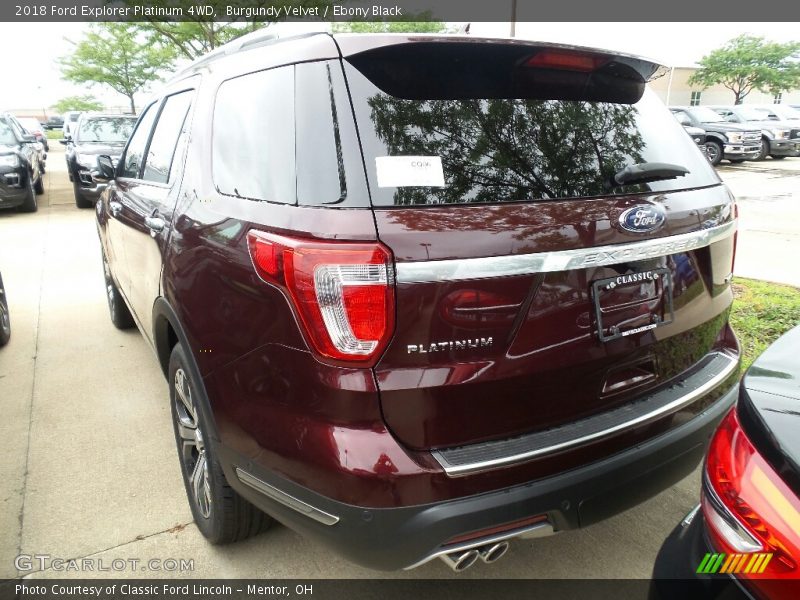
(541, 529)
(678, 403)
(562, 260)
(285, 499)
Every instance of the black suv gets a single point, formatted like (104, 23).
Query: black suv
(94, 135)
(734, 142)
(20, 167)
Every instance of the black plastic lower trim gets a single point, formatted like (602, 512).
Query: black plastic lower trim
(395, 538)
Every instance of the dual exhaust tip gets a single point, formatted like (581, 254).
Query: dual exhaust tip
(461, 561)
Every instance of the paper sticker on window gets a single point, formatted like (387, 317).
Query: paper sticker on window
(403, 171)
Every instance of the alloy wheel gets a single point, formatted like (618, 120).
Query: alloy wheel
(192, 446)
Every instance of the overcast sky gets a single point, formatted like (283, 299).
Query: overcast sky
(35, 83)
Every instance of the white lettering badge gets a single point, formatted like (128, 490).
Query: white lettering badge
(401, 171)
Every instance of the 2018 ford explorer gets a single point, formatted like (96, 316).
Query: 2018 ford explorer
(416, 296)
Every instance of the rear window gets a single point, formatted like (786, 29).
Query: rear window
(515, 139)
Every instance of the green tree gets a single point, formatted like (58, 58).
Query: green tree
(116, 55)
(414, 23)
(197, 35)
(748, 63)
(82, 103)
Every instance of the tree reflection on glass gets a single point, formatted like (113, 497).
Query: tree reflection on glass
(109, 130)
(506, 150)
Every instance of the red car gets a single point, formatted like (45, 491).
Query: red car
(418, 296)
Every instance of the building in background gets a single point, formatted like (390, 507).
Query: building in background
(674, 89)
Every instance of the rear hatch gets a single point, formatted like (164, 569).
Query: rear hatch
(532, 290)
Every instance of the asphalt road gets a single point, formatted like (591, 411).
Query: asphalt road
(89, 470)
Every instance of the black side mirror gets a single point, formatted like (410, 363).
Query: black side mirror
(105, 171)
(64, 141)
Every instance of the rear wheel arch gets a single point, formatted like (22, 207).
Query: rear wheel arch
(167, 333)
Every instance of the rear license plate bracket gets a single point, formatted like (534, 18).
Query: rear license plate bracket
(632, 303)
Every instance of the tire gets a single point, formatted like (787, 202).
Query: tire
(778, 157)
(38, 187)
(29, 204)
(80, 201)
(120, 315)
(764, 152)
(714, 152)
(220, 513)
(5, 319)
(737, 161)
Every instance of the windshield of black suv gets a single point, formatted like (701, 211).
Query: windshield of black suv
(493, 150)
(779, 111)
(7, 136)
(706, 115)
(109, 130)
(750, 114)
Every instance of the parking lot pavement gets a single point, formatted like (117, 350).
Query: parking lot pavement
(89, 467)
(768, 195)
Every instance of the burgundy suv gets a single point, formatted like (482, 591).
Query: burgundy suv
(416, 296)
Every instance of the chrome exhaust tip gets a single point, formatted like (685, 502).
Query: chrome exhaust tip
(461, 561)
(494, 552)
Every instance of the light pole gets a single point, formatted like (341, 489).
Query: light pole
(513, 18)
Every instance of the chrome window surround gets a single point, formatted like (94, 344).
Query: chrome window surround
(677, 404)
(286, 499)
(561, 260)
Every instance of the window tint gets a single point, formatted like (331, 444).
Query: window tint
(161, 151)
(490, 149)
(138, 143)
(253, 143)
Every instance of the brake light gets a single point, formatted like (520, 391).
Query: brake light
(342, 292)
(567, 60)
(747, 506)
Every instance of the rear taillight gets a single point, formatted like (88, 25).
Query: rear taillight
(342, 292)
(747, 506)
(567, 60)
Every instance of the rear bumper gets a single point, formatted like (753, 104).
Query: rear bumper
(395, 538)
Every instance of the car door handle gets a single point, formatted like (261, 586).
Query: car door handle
(155, 224)
(115, 208)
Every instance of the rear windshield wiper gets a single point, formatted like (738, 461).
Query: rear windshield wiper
(646, 172)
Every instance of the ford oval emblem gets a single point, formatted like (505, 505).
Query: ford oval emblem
(643, 219)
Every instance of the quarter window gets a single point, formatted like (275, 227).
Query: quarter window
(253, 144)
(138, 143)
(161, 151)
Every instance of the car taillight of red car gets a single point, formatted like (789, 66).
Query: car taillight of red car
(749, 509)
(342, 292)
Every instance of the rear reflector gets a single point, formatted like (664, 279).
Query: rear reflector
(342, 292)
(567, 60)
(746, 504)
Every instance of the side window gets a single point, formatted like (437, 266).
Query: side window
(161, 151)
(137, 144)
(253, 138)
(320, 175)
